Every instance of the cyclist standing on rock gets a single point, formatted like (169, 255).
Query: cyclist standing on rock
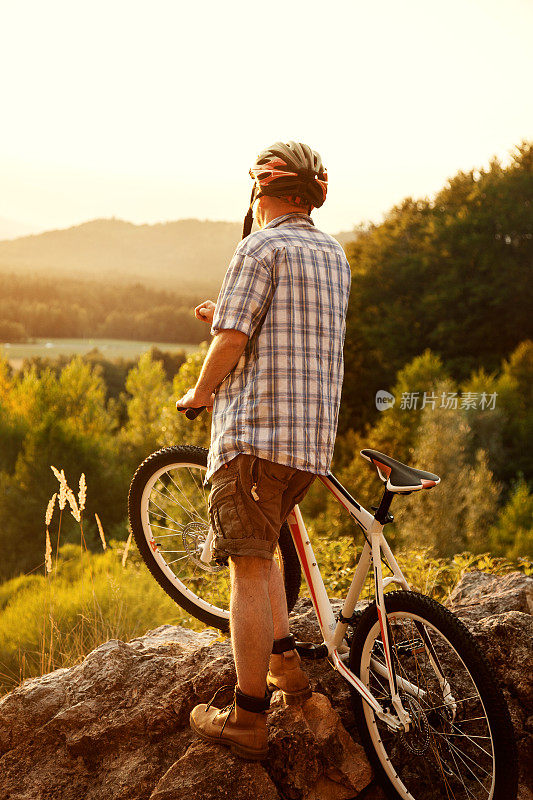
(273, 379)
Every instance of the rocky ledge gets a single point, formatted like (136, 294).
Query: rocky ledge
(115, 727)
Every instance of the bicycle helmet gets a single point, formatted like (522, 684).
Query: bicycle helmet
(289, 170)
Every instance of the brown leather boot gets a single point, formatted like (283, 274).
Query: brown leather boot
(241, 725)
(285, 672)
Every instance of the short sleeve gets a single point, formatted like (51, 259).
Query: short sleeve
(244, 297)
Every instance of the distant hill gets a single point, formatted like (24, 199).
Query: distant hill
(175, 255)
(344, 237)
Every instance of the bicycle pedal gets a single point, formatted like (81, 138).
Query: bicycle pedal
(310, 651)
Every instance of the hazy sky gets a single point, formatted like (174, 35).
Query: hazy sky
(154, 110)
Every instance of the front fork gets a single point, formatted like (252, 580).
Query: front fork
(378, 543)
(403, 715)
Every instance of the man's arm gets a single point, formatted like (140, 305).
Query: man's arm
(225, 350)
(243, 299)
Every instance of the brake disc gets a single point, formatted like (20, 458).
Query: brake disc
(194, 536)
(416, 739)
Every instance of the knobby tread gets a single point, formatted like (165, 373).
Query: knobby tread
(196, 455)
(456, 632)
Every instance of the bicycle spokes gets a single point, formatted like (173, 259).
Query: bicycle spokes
(447, 751)
(178, 519)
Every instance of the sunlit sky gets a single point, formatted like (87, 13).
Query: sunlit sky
(154, 110)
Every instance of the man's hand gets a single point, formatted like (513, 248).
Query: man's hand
(195, 399)
(205, 311)
(223, 354)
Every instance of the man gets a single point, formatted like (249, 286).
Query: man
(276, 365)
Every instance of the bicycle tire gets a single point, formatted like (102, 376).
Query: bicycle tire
(159, 463)
(441, 760)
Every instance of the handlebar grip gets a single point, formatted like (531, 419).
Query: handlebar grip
(192, 413)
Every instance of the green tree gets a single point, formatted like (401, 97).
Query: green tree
(512, 535)
(481, 292)
(441, 274)
(149, 394)
(176, 428)
(455, 515)
(515, 398)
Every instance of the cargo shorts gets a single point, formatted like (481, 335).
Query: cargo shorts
(250, 499)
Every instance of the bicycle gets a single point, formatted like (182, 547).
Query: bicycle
(430, 716)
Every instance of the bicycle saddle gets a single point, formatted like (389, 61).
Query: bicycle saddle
(399, 477)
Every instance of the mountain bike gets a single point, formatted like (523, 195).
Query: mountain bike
(431, 718)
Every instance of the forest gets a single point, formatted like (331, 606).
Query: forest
(34, 306)
(439, 316)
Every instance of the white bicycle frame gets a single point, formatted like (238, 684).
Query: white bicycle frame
(334, 629)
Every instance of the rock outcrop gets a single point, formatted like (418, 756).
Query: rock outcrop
(115, 727)
(497, 610)
(480, 595)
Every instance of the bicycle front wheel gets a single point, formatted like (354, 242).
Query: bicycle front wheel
(167, 507)
(460, 742)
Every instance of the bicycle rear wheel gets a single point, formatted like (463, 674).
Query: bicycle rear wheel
(460, 743)
(167, 507)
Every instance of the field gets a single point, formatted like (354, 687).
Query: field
(110, 348)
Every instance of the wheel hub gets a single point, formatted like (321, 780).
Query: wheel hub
(417, 738)
(194, 536)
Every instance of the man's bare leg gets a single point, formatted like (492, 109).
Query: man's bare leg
(244, 727)
(278, 602)
(258, 615)
(285, 668)
(251, 626)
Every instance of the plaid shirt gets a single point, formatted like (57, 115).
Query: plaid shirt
(287, 289)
